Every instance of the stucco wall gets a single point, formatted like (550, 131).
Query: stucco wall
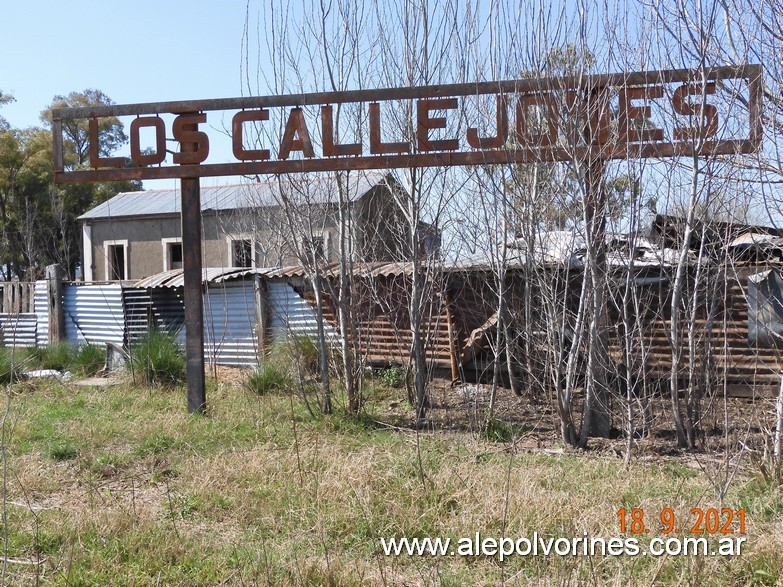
(379, 229)
(145, 246)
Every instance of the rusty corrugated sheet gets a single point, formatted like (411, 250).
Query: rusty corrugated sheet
(175, 277)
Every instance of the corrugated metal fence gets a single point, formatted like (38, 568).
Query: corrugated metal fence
(94, 313)
(99, 313)
(18, 330)
(41, 310)
(230, 324)
(291, 314)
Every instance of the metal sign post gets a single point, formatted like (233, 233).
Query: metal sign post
(194, 303)
(194, 149)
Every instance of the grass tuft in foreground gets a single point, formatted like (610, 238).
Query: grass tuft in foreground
(158, 359)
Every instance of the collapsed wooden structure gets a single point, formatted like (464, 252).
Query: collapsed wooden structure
(720, 342)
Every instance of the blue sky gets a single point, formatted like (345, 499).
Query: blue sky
(140, 51)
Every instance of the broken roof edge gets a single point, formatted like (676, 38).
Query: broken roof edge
(176, 277)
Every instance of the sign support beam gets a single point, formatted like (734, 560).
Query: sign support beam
(194, 304)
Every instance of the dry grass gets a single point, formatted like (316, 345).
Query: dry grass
(122, 487)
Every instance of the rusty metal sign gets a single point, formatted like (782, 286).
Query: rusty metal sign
(645, 114)
(595, 118)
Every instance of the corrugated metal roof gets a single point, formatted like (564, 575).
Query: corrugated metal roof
(755, 238)
(643, 257)
(232, 197)
(176, 277)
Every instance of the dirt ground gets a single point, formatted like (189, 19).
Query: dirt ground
(227, 375)
(729, 425)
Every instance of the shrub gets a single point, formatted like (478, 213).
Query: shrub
(498, 431)
(300, 352)
(393, 375)
(265, 378)
(89, 360)
(159, 359)
(307, 353)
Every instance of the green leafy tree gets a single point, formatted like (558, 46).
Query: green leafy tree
(25, 174)
(37, 217)
(4, 99)
(75, 132)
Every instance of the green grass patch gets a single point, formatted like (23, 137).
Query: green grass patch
(62, 450)
(58, 356)
(266, 378)
(12, 363)
(89, 360)
(158, 359)
(121, 486)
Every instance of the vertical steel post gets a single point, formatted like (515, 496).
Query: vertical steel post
(194, 305)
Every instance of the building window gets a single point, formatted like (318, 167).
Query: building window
(172, 254)
(316, 248)
(175, 255)
(242, 252)
(116, 260)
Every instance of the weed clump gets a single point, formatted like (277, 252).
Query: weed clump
(89, 360)
(62, 450)
(11, 364)
(86, 360)
(267, 377)
(393, 375)
(58, 356)
(300, 352)
(159, 359)
(498, 431)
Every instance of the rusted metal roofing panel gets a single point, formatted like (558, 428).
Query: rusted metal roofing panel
(175, 277)
(757, 239)
(160, 279)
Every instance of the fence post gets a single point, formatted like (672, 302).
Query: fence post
(54, 299)
(262, 314)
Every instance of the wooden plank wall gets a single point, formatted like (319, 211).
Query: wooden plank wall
(17, 297)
